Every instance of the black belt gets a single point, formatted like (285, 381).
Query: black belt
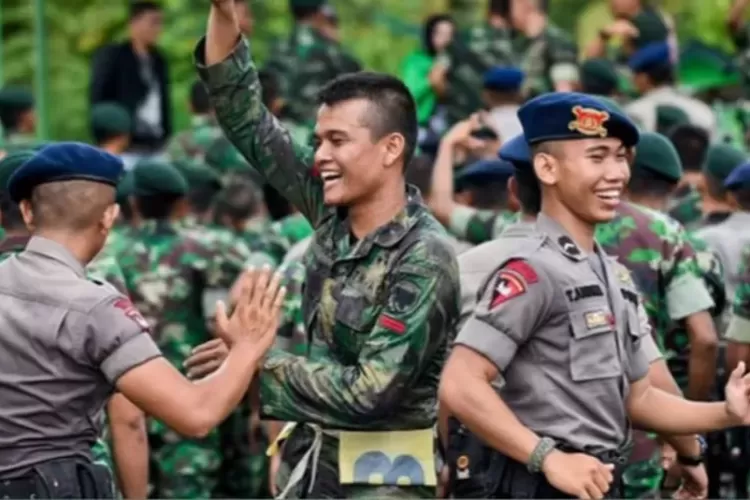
(617, 457)
(22, 487)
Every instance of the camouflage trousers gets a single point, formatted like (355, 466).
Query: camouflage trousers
(184, 468)
(102, 455)
(642, 477)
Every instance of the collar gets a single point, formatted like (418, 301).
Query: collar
(385, 236)
(55, 251)
(15, 243)
(716, 218)
(560, 238)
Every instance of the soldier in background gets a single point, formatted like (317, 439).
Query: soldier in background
(18, 118)
(110, 126)
(692, 144)
(194, 142)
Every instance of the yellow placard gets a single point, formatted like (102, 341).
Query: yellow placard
(394, 458)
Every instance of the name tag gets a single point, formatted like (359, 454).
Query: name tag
(393, 458)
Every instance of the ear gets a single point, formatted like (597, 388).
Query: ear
(394, 145)
(546, 168)
(27, 214)
(514, 203)
(110, 216)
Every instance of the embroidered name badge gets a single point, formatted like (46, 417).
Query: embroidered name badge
(589, 121)
(597, 319)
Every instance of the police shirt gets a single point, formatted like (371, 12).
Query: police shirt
(64, 342)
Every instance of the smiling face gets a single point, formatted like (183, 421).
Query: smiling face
(586, 177)
(352, 160)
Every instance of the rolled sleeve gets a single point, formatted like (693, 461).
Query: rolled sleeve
(489, 341)
(738, 330)
(640, 359)
(686, 295)
(132, 353)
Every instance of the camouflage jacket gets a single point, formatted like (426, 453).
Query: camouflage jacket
(478, 226)
(470, 55)
(265, 244)
(303, 63)
(685, 208)
(379, 309)
(739, 325)
(656, 249)
(548, 59)
(194, 142)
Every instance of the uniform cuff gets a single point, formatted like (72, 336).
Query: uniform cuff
(564, 72)
(227, 71)
(687, 295)
(738, 330)
(459, 220)
(488, 341)
(134, 352)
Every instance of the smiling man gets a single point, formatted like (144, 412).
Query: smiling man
(381, 292)
(563, 323)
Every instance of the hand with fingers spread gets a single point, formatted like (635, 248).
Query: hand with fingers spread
(578, 474)
(737, 395)
(256, 314)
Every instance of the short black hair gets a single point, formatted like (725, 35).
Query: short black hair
(419, 173)
(392, 107)
(663, 74)
(139, 8)
(691, 143)
(489, 195)
(102, 135)
(499, 8)
(201, 198)
(647, 183)
(269, 86)
(598, 86)
(741, 196)
(158, 206)
(199, 100)
(529, 192)
(126, 210)
(11, 118)
(238, 201)
(11, 215)
(302, 12)
(715, 187)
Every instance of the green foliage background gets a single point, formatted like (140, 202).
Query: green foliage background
(379, 32)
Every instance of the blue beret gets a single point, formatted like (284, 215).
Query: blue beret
(486, 169)
(517, 152)
(64, 161)
(503, 79)
(739, 178)
(652, 55)
(560, 116)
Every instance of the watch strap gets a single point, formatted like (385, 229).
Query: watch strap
(543, 448)
(694, 461)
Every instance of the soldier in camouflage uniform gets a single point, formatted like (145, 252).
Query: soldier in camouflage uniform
(663, 262)
(18, 118)
(381, 290)
(306, 61)
(167, 273)
(692, 145)
(194, 142)
(110, 125)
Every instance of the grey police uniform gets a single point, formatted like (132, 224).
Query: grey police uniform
(567, 332)
(64, 342)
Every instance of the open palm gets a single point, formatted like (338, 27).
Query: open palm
(737, 393)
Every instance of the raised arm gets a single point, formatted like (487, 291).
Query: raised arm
(420, 307)
(224, 64)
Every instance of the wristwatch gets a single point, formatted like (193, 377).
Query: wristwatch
(695, 461)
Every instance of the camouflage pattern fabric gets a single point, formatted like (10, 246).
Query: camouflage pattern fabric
(657, 251)
(379, 309)
(478, 226)
(546, 60)
(302, 64)
(100, 450)
(266, 244)
(470, 55)
(293, 228)
(167, 272)
(741, 302)
(194, 143)
(686, 208)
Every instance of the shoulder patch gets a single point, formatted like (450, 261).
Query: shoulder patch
(512, 281)
(403, 297)
(131, 312)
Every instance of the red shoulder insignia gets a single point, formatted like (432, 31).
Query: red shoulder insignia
(392, 324)
(512, 280)
(131, 312)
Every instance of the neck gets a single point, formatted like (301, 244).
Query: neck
(710, 205)
(139, 47)
(580, 231)
(74, 243)
(115, 147)
(653, 202)
(377, 211)
(535, 24)
(528, 217)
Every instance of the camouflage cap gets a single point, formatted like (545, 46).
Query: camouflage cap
(669, 117)
(10, 164)
(722, 159)
(657, 155)
(16, 98)
(151, 177)
(111, 117)
(198, 174)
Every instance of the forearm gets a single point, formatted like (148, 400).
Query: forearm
(703, 352)
(221, 35)
(664, 413)
(441, 192)
(129, 447)
(477, 405)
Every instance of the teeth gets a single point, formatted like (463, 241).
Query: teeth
(329, 175)
(612, 193)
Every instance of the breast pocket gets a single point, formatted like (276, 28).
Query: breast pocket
(354, 311)
(593, 343)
